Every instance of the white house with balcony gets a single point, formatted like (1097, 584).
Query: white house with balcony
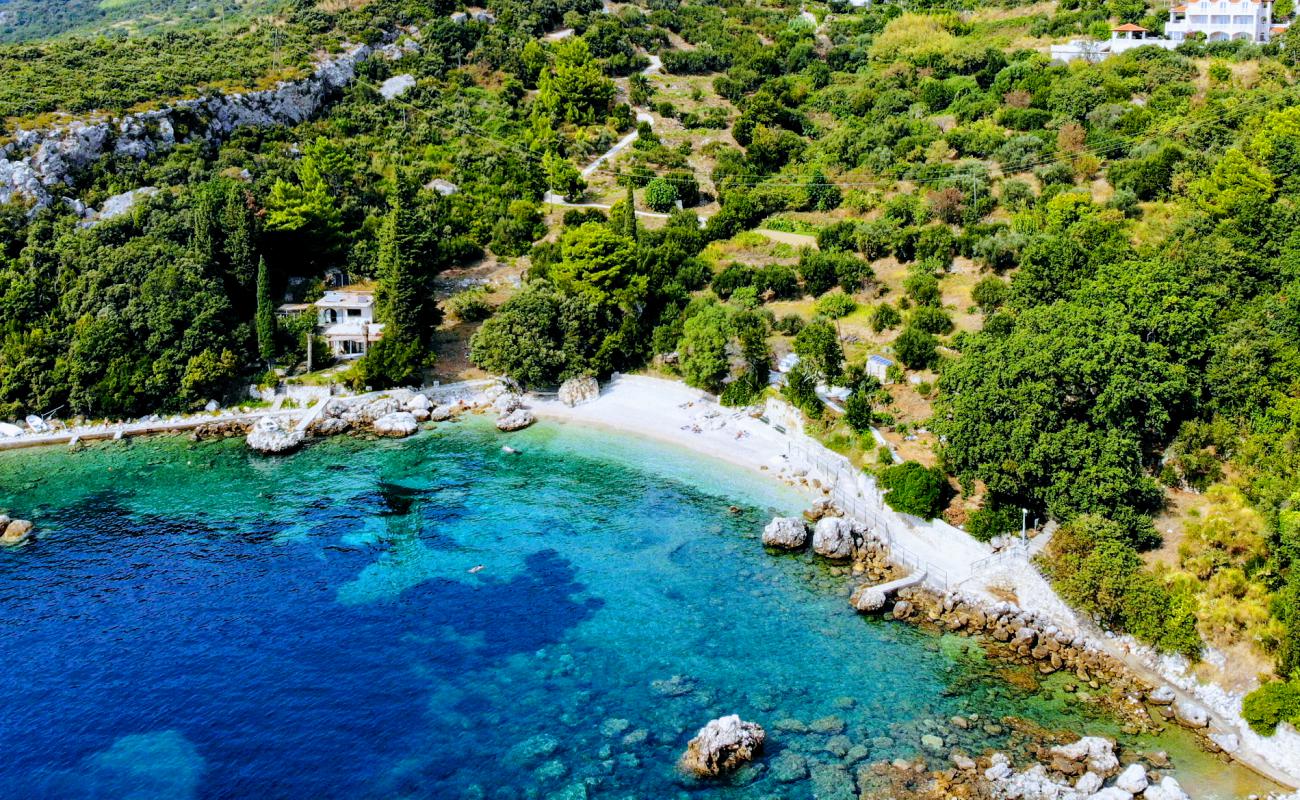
(1222, 21)
(1211, 20)
(345, 318)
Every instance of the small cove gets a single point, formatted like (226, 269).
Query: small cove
(196, 621)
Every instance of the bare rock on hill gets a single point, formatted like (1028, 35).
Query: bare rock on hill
(272, 437)
(722, 746)
(576, 391)
(788, 533)
(516, 420)
(397, 424)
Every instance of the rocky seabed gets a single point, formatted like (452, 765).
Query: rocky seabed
(1088, 769)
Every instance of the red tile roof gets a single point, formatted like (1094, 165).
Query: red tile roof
(1129, 27)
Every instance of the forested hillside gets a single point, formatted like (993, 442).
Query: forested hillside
(1087, 276)
(27, 20)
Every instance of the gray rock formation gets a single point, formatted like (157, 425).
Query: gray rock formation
(396, 86)
(516, 420)
(833, 538)
(118, 205)
(1161, 696)
(722, 746)
(396, 424)
(576, 391)
(271, 436)
(441, 413)
(1190, 714)
(36, 165)
(788, 533)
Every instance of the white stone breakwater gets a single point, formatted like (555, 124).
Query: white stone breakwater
(39, 165)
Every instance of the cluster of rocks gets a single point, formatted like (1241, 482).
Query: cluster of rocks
(274, 436)
(834, 537)
(36, 164)
(14, 531)
(511, 413)
(1088, 769)
(838, 539)
(1018, 635)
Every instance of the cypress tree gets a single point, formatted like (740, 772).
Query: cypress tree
(237, 224)
(629, 215)
(265, 314)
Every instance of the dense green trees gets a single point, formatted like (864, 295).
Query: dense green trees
(912, 488)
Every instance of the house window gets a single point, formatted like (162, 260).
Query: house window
(1219, 19)
(1242, 19)
(354, 312)
(1198, 20)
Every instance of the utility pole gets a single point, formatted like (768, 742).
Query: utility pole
(310, 336)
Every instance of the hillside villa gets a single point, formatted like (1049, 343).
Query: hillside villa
(345, 318)
(1210, 20)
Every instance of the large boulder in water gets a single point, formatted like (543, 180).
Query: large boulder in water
(788, 533)
(868, 598)
(1190, 714)
(397, 424)
(833, 538)
(271, 436)
(576, 391)
(518, 419)
(723, 745)
(14, 531)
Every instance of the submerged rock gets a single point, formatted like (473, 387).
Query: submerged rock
(270, 436)
(722, 746)
(516, 420)
(1167, 789)
(1133, 779)
(833, 538)
(788, 533)
(576, 391)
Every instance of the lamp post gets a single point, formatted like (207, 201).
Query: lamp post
(1024, 518)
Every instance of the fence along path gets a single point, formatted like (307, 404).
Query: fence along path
(948, 555)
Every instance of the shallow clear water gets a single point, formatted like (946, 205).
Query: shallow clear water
(196, 621)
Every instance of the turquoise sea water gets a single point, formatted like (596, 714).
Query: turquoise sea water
(435, 618)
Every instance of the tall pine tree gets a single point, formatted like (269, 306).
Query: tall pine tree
(265, 314)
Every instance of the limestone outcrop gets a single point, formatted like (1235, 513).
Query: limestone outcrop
(787, 533)
(37, 165)
(722, 746)
(272, 437)
(576, 391)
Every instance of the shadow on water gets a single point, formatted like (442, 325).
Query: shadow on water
(243, 651)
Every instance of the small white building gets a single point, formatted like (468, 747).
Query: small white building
(1122, 38)
(345, 318)
(878, 368)
(1222, 20)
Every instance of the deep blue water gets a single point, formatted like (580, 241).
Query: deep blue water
(196, 621)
